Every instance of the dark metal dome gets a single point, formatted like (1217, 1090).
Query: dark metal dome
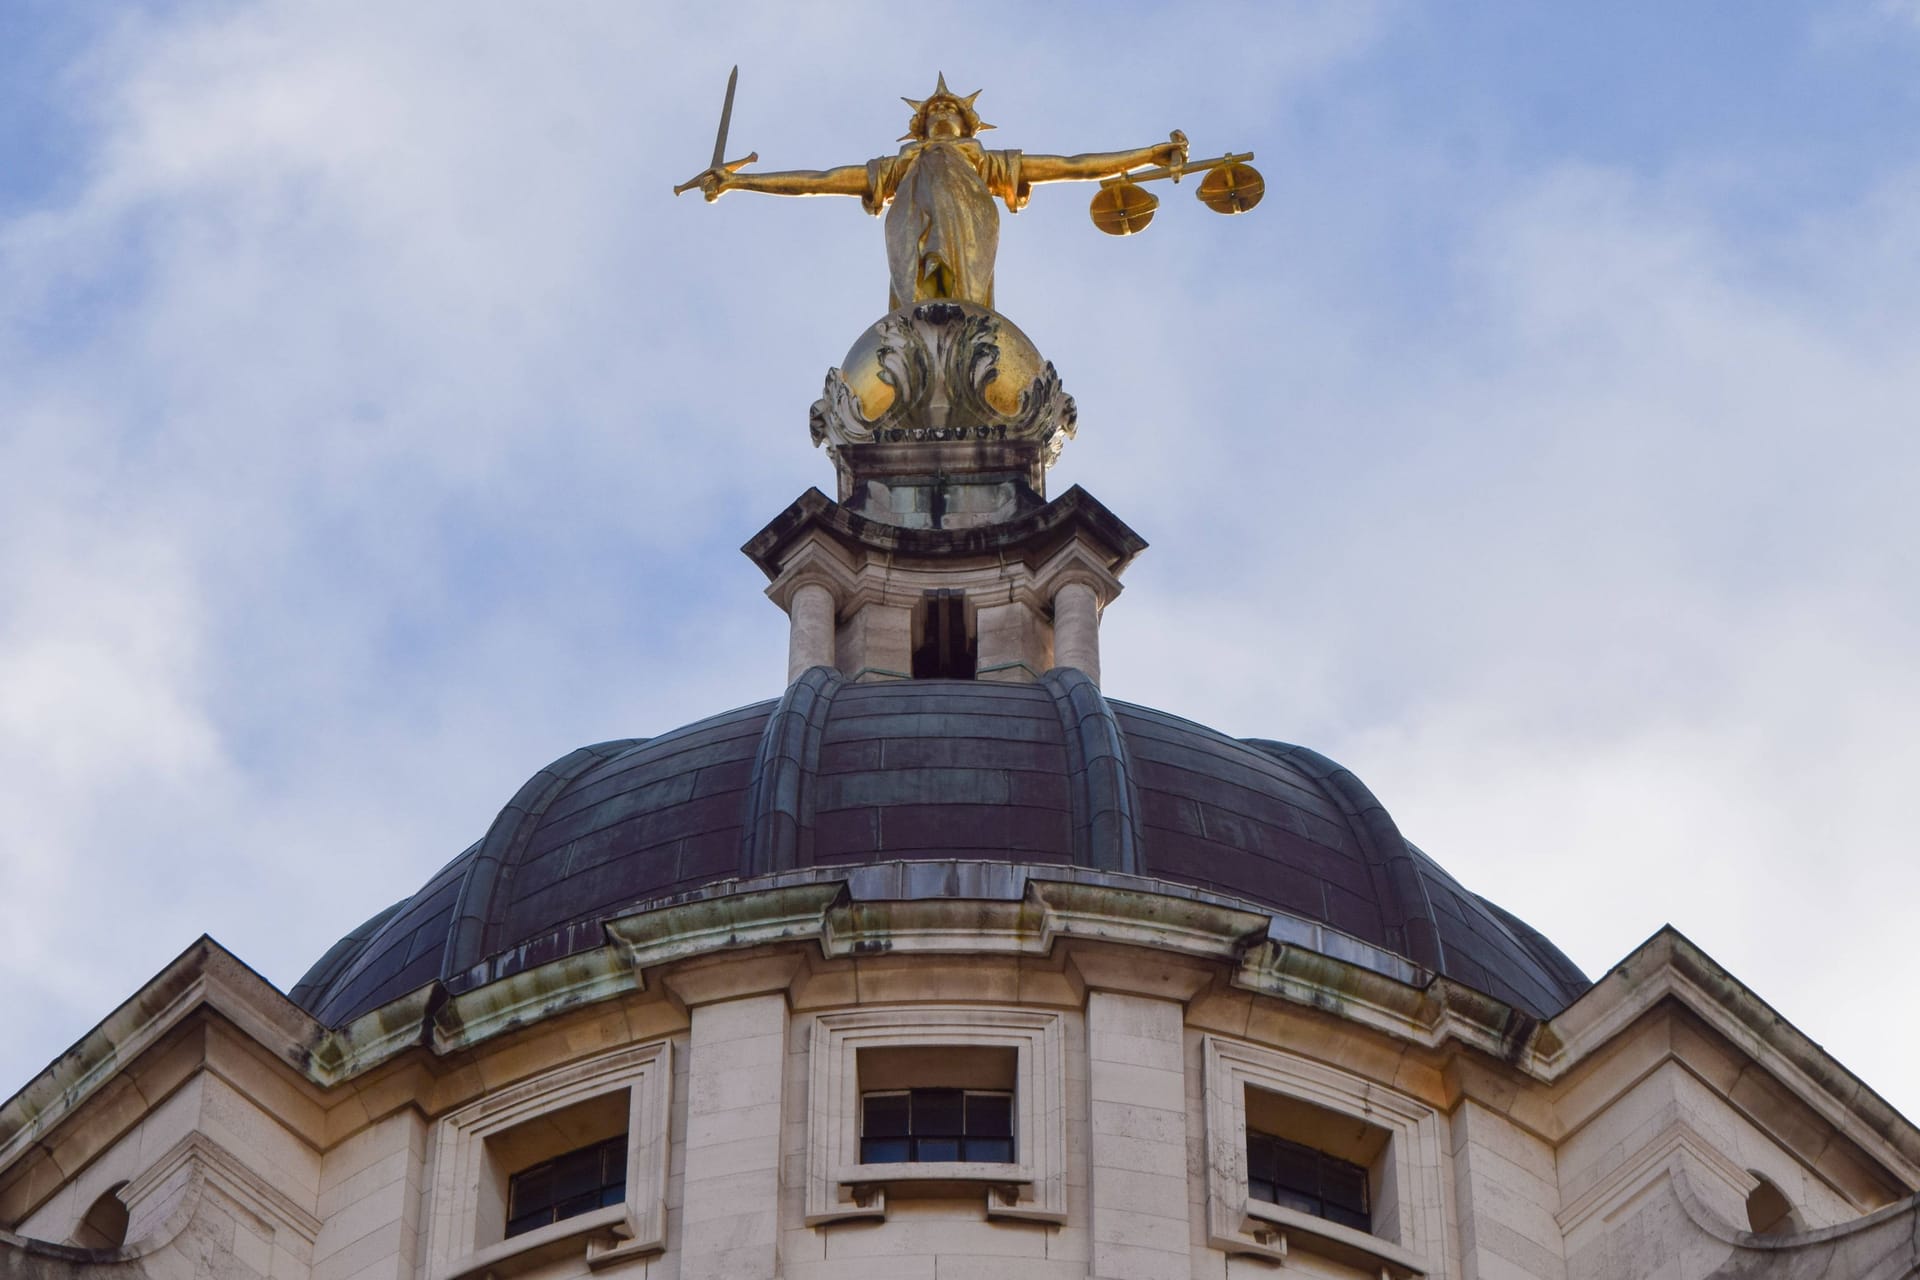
(838, 774)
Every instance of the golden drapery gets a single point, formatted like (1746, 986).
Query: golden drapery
(942, 229)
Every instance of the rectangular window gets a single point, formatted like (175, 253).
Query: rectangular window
(946, 649)
(936, 1125)
(937, 1101)
(1298, 1177)
(568, 1185)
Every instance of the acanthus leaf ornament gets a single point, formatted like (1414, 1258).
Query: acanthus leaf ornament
(937, 369)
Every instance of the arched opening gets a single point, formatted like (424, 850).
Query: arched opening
(1769, 1212)
(105, 1223)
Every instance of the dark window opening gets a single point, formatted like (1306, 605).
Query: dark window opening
(936, 1125)
(567, 1186)
(105, 1226)
(1298, 1177)
(945, 648)
(1769, 1212)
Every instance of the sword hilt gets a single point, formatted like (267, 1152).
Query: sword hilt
(731, 166)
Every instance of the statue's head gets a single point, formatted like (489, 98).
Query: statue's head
(943, 114)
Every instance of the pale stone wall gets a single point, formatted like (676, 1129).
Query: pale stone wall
(1635, 1163)
(1136, 1090)
(737, 1060)
(369, 1200)
(1505, 1195)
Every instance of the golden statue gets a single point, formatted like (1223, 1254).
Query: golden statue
(938, 192)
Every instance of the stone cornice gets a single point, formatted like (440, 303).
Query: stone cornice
(1032, 538)
(1018, 910)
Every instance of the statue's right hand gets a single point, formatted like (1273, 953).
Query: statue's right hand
(713, 182)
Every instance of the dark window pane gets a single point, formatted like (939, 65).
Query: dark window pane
(576, 1175)
(1261, 1158)
(936, 1125)
(532, 1191)
(1298, 1177)
(884, 1150)
(1287, 1198)
(519, 1226)
(937, 1113)
(1297, 1167)
(1343, 1186)
(575, 1183)
(989, 1150)
(989, 1115)
(574, 1206)
(885, 1115)
(943, 1149)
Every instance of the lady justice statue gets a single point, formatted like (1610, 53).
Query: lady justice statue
(943, 376)
(938, 192)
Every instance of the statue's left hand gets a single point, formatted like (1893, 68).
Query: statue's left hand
(1172, 153)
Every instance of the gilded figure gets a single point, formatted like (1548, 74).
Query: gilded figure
(938, 193)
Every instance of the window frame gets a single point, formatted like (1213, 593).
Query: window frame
(462, 1241)
(1408, 1216)
(1032, 1186)
(914, 1135)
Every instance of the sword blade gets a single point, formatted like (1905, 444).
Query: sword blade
(726, 118)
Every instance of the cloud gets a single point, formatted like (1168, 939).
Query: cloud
(379, 429)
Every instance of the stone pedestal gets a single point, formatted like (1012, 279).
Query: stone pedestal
(1029, 592)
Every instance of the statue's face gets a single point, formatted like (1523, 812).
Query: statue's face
(944, 120)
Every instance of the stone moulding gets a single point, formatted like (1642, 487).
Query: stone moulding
(1883, 1245)
(460, 1165)
(839, 1186)
(167, 1199)
(1411, 1182)
(1033, 538)
(1014, 911)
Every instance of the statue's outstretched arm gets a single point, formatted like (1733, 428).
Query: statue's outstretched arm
(847, 180)
(1100, 164)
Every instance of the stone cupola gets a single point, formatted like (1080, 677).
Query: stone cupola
(942, 556)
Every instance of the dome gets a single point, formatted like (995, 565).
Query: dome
(960, 781)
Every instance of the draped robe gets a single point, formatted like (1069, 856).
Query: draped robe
(942, 229)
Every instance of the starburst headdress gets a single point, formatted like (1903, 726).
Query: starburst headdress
(917, 127)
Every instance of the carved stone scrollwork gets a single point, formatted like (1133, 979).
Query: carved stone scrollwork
(943, 371)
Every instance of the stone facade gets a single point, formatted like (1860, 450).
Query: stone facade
(1629, 1136)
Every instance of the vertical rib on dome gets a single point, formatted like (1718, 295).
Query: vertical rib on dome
(1106, 829)
(475, 918)
(778, 833)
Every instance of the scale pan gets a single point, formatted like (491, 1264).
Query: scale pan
(1232, 188)
(1123, 208)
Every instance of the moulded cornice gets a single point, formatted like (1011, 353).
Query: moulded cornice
(1030, 538)
(1033, 916)
(204, 976)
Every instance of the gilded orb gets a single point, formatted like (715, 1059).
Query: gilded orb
(1016, 361)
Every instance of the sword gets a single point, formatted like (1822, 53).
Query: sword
(720, 162)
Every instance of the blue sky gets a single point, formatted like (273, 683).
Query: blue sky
(375, 428)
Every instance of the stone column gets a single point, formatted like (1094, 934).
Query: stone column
(736, 1063)
(1137, 1084)
(810, 642)
(1076, 629)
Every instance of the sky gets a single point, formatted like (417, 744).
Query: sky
(375, 427)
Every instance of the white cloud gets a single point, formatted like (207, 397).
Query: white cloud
(380, 429)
